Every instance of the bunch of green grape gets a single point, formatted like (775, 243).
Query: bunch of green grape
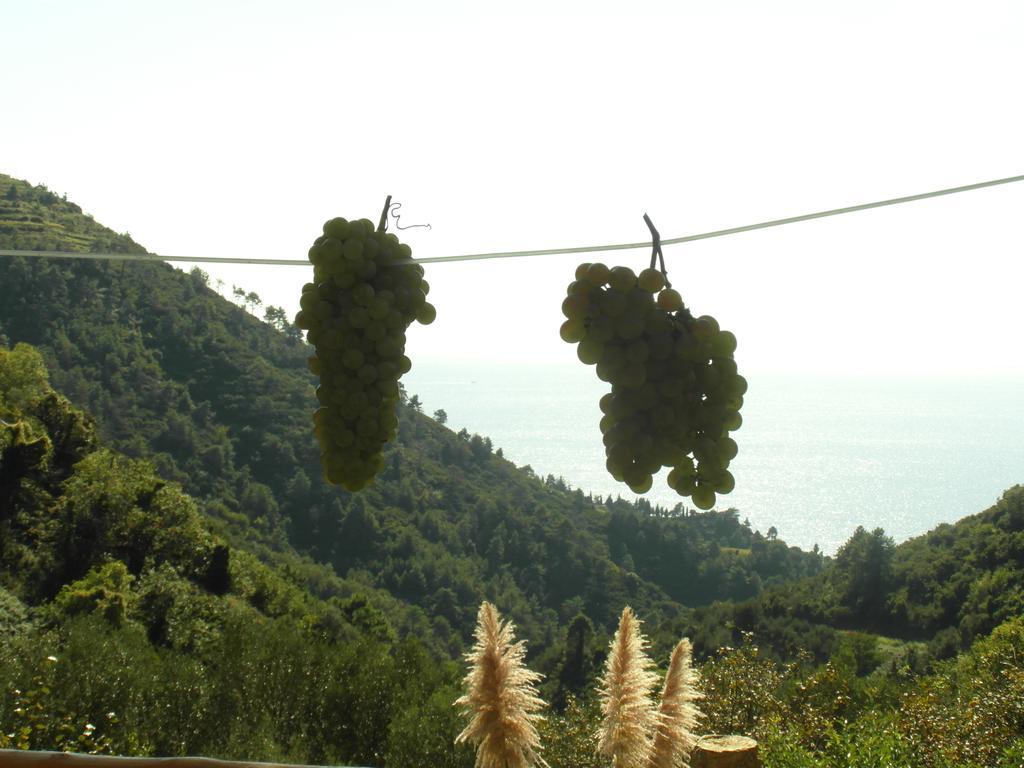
(675, 392)
(365, 293)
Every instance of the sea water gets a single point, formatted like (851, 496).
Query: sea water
(818, 456)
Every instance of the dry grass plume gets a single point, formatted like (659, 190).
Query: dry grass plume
(674, 738)
(626, 734)
(501, 699)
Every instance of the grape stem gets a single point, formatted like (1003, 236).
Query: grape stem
(383, 225)
(656, 254)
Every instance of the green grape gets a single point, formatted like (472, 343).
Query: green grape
(651, 280)
(589, 351)
(656, 323)
(614, 470)
(725, 482)
(604, 371)
(724, 344)
(352, 359)
(708, 378)
(596, 274)
(614, 303)
(670, 300)
(378, 309)
(389, 347)
(600, 329)
(638, 351)
(703, 497)
(727, 448)
(704, 328)
(621, 278)
(621, 454)
(644, 485)
(632, 376)
(572, 331)
(661, 346)
(726, 367)
(368, 374)
(366, 291)
(675, 390)
(358, 317)
(575, 306)
(426, 314)
(338, 228)
(619, 406)
(615, 356)
(635, 476)
(577, 287)
(629, 326)
(363, 294)
(377, 331)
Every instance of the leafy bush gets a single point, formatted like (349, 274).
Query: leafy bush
(569, 738)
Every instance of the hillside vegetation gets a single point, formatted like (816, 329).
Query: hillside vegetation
(937, 592)
(32, 218)
(127, 626)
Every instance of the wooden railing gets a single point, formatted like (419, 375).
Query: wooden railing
(16, 758)
(711, 752)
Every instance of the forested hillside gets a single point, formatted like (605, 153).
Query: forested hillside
(221, 402)
(127, 626)
(941, 590)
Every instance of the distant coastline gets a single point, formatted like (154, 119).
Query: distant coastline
(818, 455)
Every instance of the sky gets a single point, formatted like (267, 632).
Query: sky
(238, 128)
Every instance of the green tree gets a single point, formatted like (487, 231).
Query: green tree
(23, 377)
(579, 661)
(276, 317)
(105, 590)
(863, 574)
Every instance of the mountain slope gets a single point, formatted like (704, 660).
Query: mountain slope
(33, 218)
(944, 588)
(128, 627)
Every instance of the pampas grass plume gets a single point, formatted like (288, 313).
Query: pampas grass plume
(678, 714)
(501, 698)
(625, 689)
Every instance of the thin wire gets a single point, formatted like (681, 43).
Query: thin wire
(152, 257)
(540, 252)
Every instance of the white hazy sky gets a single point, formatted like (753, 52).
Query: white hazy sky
(237, 128)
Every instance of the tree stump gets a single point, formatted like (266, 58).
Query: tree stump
(725, 752)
